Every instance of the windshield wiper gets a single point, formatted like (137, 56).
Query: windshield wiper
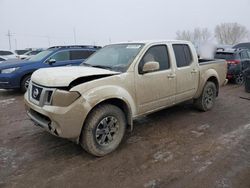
(101, 66)
(97, 66)
(86, 64)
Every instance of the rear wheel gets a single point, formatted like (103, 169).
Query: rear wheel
(104, 130)
(206, 100)
(25, 83)
(239, 80)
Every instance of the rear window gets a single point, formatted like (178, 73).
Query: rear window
(6, 53)
(226, 56)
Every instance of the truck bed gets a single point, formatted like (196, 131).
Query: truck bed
(205, 61)
(214, 65)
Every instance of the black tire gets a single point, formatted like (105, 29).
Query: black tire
(207, 99)
(239, 79)
(103, 130)
(25, 83)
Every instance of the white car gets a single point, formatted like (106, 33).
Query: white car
(8, 54)
(29, 54)
(2, 59)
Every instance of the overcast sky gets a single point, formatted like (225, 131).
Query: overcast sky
(41, 23)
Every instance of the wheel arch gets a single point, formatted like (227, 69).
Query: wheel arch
(210, 75)
(23, 76)
(120, 103)
(216, 82)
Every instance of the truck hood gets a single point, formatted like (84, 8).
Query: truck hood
(64, 76)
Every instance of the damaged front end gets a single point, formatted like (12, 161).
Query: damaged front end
(54, 108)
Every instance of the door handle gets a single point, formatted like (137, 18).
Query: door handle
(171, 75)
(194, 71)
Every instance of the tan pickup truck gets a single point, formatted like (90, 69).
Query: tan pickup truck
(93, 104)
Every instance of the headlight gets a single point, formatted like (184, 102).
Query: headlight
(64, 98)
(10, 70)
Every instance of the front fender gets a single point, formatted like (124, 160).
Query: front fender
(97, 95)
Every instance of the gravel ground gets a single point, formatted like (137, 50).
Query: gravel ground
(176, 147)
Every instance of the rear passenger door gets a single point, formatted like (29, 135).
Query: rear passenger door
(187, 72)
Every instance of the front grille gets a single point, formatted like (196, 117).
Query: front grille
(36, 92)
(49, 97)
(40, 95)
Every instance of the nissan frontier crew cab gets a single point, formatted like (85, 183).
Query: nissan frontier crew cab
(95, 103)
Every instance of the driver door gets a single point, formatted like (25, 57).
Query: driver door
(155, 90)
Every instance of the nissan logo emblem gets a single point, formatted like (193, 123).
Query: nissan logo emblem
(35, 93)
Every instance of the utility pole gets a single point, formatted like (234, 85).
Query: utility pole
(74, 31)
(15, 44)
(48, 37)
(9, 35)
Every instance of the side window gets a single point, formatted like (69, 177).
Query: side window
(156, 53)
(243, 55)
(183, 55)
(80, 54)
(248, 53)
(61, 56)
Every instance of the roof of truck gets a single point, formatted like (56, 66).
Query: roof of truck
(152, 41)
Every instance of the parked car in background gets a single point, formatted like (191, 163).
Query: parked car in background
(21, 52)
(95, 103)
(237, 61)
(8, 54)
(223, 47)
(242, 45)
(16, 74)
(2, 59)
(30, 53)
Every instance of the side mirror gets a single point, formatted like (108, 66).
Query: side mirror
(51, 61)
(150, 66)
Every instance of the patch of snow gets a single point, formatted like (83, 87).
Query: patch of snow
(203, 127)
(197, 134)
(6, 102)
(163, 155)
(151, 183)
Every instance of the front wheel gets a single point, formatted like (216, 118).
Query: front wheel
(207, 99)
(25, 83)
(103, 130)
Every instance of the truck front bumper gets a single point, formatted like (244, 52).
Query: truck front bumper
(65, 122)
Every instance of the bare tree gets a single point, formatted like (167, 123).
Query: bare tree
(184, 35)
(197, 36)
(230, 33)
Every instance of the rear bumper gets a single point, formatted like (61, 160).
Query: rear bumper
(225, 82)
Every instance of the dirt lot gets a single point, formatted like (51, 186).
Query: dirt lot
(176, 147)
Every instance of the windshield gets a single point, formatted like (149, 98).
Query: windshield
(116, 57)
(5, 52)
(40, 56)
